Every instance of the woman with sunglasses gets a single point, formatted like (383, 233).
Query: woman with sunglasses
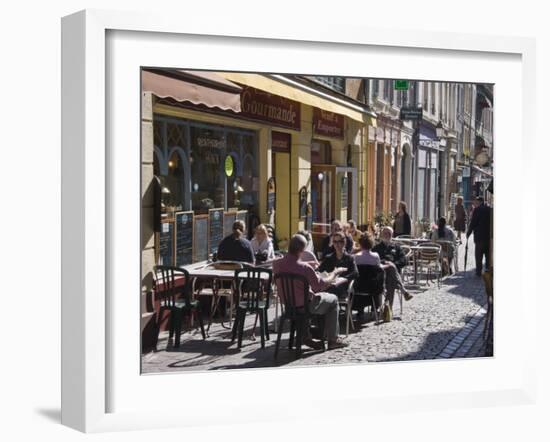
(341, 262)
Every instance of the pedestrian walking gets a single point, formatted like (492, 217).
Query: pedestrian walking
(480, 225)
(402, 221)
(460, 218)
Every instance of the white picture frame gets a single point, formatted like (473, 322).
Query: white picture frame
(88, 319)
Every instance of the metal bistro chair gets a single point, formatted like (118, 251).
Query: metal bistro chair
(429, 257)
(170, 282)
(449, 248)
(347, 303)
(368, 286)
(290, 287)
(253, 289)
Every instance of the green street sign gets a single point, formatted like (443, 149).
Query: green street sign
(401, 85)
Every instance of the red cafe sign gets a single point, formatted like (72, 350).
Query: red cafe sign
(280, 142)
(328, 124)
(263, 106)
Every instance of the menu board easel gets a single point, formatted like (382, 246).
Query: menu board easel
(215, 229)
(200, 238)
(184, 238)
(166, 243)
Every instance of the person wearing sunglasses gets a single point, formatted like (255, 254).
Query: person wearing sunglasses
(339, 261)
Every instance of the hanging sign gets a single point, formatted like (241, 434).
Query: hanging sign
(229, 165)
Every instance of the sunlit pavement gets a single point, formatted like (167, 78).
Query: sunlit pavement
(445, 322)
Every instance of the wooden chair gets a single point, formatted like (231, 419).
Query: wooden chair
(172, 288)
(253, 290)
(488, 326)
(291, 287)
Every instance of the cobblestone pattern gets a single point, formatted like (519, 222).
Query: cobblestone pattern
(445, 322)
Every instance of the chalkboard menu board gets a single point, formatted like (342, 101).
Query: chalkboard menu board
(200, 238)
(242, 215)
(166, 244)
(215, 229)
(184, 238)
(228, 220)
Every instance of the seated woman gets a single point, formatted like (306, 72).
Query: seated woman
(392, 258)
(444, 232)
(261, 245)
(326, 245)
(339, 259)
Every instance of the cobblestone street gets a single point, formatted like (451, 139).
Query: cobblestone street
(437, 323)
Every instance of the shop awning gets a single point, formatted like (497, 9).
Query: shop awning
(279, 85)
(197, 87)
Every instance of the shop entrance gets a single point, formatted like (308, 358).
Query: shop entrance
(333, 196)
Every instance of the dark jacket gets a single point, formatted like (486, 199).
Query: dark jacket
(326, 250)
(460, 218)
(406, 225)
(391, 252)
(480, 224)
(235, 249)
(331, 262)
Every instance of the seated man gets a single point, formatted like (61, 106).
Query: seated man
(340, 259)
(236, 247)
(321, 302)
(392, 259)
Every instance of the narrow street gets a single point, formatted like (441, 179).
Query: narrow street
(437, 323)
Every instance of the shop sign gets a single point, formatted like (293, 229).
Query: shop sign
(263, 106)
(229, 165)
(328, 124)
(410, 113)
(280, 142)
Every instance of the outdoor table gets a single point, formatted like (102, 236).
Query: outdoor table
(198, 272)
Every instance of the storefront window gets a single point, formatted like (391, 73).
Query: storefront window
(173, 184)
(207, 169)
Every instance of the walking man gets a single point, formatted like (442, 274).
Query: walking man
(480, 224)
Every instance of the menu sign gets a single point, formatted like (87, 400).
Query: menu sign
(271, 198)
(280, 142)
(309, 217)
(184, 238)
(344, 193)
(328, 124)
(263, 106)
(166, 247)
(200, 238)
(215, 229)
(302, 194)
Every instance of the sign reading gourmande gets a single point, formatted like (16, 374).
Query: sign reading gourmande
(263, 106)
(328, 124)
